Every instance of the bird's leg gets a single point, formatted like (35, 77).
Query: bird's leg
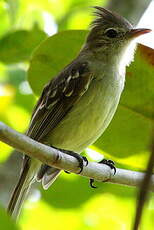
(80, 159)
(110, 163)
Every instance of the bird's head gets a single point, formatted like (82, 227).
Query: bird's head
(111, 33)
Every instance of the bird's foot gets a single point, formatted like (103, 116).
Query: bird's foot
(110, 163)
(80, 159)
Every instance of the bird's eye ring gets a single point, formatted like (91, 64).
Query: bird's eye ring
(111, 33)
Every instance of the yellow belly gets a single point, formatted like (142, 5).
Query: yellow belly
(88, 118)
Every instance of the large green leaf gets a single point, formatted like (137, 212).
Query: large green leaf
(17, 46)
(52, 55)
(128, 136)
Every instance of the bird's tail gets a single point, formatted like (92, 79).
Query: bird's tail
(20, 192)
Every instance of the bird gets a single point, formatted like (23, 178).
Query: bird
(78, 104)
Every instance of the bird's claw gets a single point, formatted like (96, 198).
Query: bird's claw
(110, 163)
(91, 181)
(80, 158)
(81, 164)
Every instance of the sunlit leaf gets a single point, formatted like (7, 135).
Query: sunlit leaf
(79, 14)
(17, 117)
(5, 23)
(77, 19)
(3, 68)
(49, 218)
(6, 96)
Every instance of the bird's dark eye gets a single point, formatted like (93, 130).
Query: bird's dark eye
(111, 33)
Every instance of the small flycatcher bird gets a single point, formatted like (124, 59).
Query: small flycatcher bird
(77, 105)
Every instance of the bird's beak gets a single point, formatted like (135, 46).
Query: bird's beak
(133, 33)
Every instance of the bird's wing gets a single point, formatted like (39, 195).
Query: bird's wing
(57, 98)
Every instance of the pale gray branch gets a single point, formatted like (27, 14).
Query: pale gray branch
(56, 158)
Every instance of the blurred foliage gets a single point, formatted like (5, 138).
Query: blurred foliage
(70, 203)
(6, 222)
(20, 45)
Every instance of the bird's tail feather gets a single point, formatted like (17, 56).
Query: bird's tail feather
(30, 172)
(20, 192)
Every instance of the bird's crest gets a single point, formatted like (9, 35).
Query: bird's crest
(104, 16)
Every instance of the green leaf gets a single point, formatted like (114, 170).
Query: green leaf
(18, 46)
(6, 222)
(52, 55)
(127, 138)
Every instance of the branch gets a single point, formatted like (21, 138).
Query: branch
(58, 159)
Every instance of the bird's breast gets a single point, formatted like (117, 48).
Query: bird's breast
(89, 117)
